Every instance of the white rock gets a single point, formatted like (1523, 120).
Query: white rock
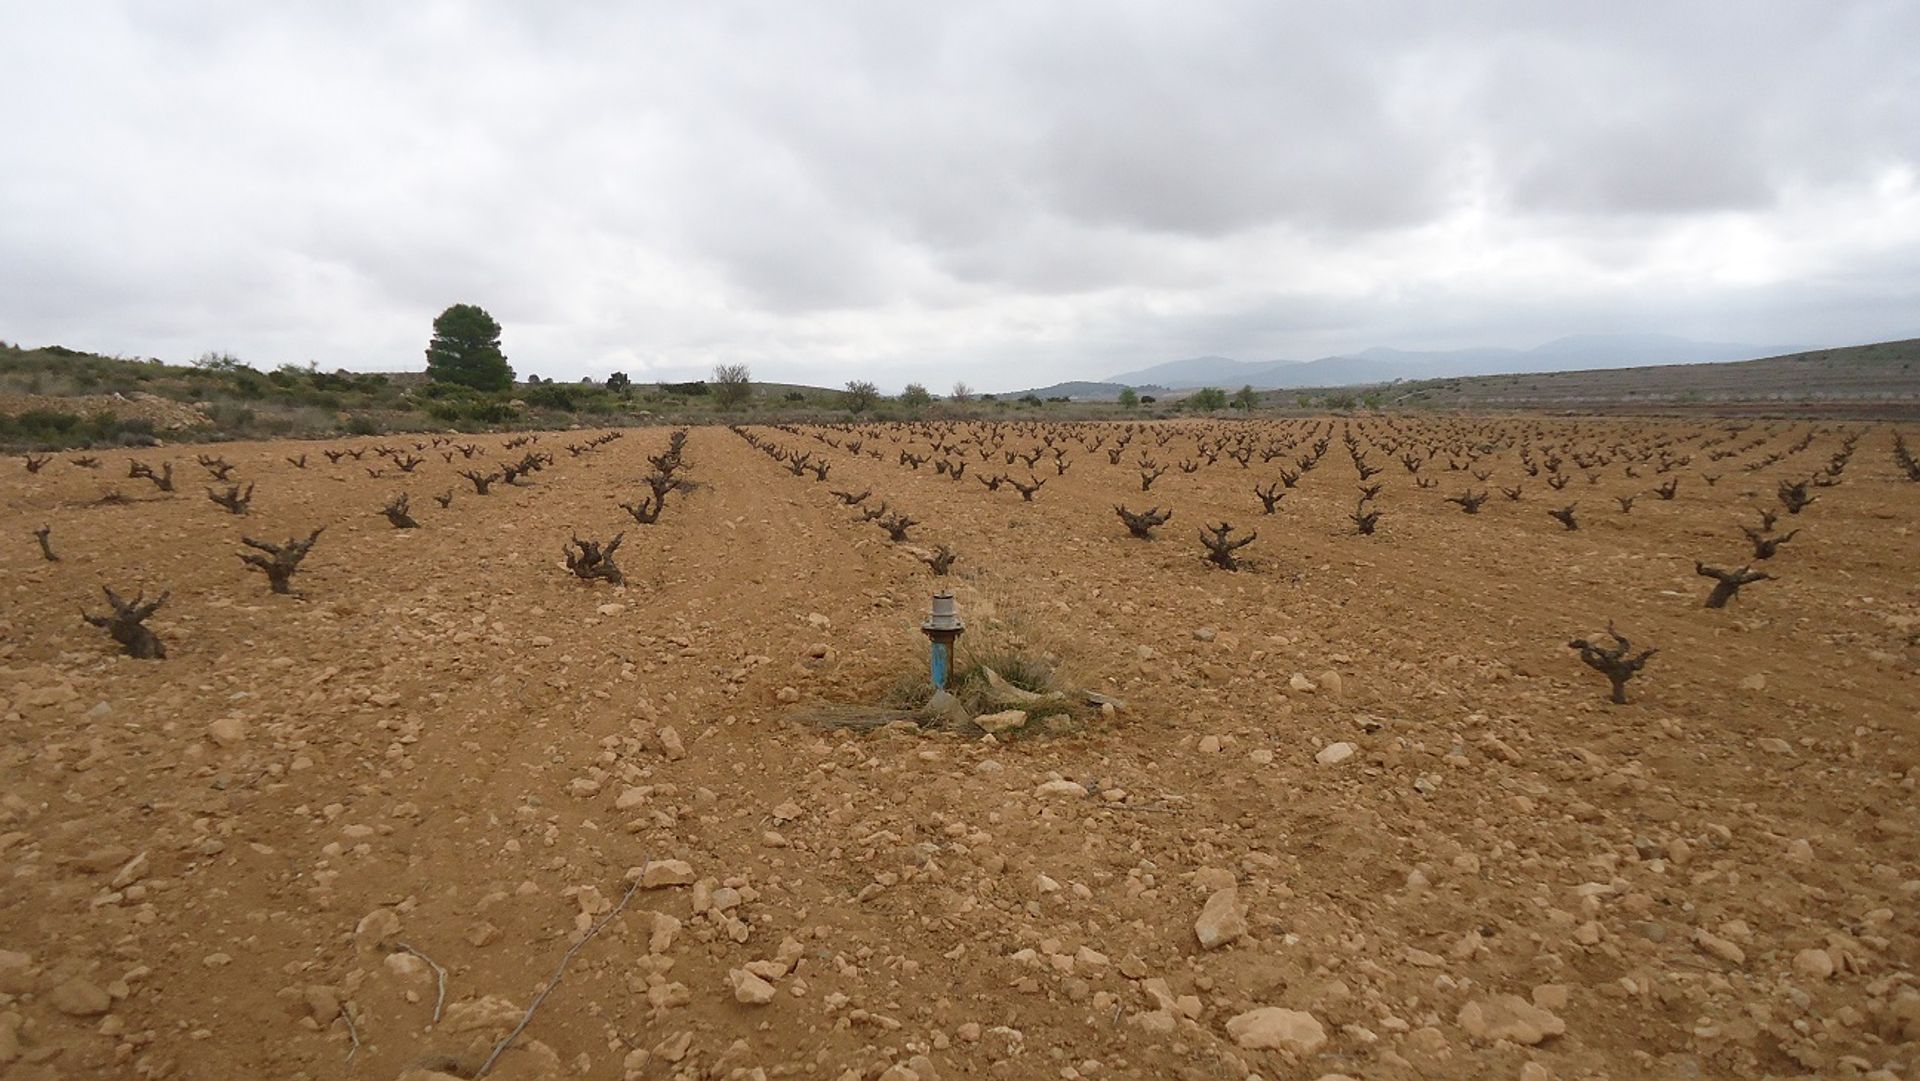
(1221, 919)
(79, 998)
(134, 870)
(1508, 1017)
(1061, 788)
(1292, 1031)
(749, 989)
(1004, 721)
(227, 731)
(1816, 964)
(1334, 753)
(670, 744)
(661, 873)
(1719, 947)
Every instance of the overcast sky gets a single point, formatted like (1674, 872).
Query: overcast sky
(1005, 193)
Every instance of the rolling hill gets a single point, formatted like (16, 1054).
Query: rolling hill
(1880, 380)
(1381, 365)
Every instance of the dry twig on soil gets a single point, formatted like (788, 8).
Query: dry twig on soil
(559, 972)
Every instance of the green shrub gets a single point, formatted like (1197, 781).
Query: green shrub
(552, 396)
(51, 429)
(229, 416)
(447, 392)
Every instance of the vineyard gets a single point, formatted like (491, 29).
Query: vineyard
(1378, 747)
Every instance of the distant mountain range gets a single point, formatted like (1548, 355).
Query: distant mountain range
(1380, 365)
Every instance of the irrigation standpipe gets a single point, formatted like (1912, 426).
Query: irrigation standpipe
(942, 628)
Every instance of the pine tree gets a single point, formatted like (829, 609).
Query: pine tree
(466, 350)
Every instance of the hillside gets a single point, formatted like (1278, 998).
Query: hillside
(54, 397)
(1381, 365)
(1084, 391)
(1881, 379)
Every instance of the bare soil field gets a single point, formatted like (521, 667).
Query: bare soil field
(1353, 810)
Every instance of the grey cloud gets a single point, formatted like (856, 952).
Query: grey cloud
(1031, 191)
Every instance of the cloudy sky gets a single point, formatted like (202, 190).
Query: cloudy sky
(1008, 193)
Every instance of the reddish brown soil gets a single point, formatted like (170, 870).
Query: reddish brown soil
(445, 740)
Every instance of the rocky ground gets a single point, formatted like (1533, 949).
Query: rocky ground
(1360, 812)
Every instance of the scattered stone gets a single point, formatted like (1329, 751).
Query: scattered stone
(227, 731)
(79, 998)
(670, 744)
(1508, 1017)
(945, 708)
(1814, 964)
(1551, 996)
(489, 1013)
(1004, 721)
(661, 873)
(749, 988)
(1292, 1031)
(1002, 1042)
(1334, 753)
(16, 972)
(1061, 788)
(376, 927)
(132, 871)
(1221, 920)
(1719, 947)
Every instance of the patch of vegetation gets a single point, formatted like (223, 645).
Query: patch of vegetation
(972, 685)
(46, 429)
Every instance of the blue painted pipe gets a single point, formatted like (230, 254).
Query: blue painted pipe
(942, 663)
(942, 628)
